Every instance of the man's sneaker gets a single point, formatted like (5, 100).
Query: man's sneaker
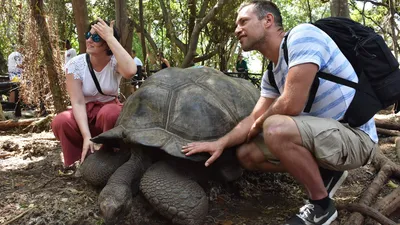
(332, 180)
(312, 214)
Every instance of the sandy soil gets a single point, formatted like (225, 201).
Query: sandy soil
(34, 191)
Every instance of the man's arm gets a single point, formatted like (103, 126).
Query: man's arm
(295, 94)
(239, 133)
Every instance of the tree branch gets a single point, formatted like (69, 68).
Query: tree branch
(196, 32)
(147, 35)
(171, 32)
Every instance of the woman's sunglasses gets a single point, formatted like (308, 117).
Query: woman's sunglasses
(95, 37)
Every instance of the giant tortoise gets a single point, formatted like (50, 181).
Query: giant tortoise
(172, 108)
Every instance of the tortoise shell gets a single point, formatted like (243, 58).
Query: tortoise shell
(176, 106)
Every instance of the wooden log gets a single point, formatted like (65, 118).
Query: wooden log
(11, 124)
(387, 124)
(387, 140)
(388, 132)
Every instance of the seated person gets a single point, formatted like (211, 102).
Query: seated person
(92, 112)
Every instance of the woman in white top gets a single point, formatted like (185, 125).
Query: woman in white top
(92, 112)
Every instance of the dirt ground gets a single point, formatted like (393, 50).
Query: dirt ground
(34, 191)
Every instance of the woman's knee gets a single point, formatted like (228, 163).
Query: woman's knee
(110, 112)
(62, 119)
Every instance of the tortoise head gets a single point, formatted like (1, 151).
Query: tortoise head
(115, 202)
(111, 137)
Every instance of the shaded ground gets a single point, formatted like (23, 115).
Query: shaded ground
(33, 191)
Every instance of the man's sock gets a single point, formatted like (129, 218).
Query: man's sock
(324, 203)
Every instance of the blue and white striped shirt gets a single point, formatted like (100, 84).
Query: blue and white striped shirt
(308, 44)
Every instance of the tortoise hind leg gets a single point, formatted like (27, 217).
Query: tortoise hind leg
(174, 194)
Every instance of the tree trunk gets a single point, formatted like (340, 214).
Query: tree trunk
(125, 29)
(340, 8)
(82, 22)
(192, 17)
(142, 39)
(393, 26)
(55, 87)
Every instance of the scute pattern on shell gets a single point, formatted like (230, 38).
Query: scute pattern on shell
(176, 106)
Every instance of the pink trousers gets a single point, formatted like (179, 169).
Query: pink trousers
(101, 117)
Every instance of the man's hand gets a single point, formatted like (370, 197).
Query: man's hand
(101, 28)
(88, 145)
(213, 148)
(255, 129)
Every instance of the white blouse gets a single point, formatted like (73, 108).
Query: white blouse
(108, 78)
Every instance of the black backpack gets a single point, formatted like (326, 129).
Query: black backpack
(376, 67)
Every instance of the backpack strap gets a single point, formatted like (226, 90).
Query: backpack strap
(96, 82)
(338, 80)
(315, 84)
(271, 77)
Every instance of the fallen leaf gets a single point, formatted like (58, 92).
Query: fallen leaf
(392, 185)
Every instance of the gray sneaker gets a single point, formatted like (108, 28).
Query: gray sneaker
(312, 214)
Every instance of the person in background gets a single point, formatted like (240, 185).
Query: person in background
(15, 69)
(241, 65)
(314, 147)
(92, 112)
(14, 65)
(69, 51)
(163, 61)
(137, 79)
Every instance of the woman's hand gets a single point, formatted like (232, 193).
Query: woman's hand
(88, 145)
(101, 28)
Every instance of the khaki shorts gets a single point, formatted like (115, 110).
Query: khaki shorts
(335, 145)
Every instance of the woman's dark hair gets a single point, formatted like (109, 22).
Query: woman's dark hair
(116, 34)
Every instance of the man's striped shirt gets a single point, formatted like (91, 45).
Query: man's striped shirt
(308, 44)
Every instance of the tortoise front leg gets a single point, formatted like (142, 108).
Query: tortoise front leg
(116, 198)
(174, 194)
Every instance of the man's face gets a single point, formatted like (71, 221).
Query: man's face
(249, 29)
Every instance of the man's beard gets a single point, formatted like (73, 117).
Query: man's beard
(250, 46)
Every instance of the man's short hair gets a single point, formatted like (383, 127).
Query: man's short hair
(133, 52)
(262, 8)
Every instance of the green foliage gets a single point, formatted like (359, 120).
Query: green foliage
(218, 34)
(11, 23)
(104, 9)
